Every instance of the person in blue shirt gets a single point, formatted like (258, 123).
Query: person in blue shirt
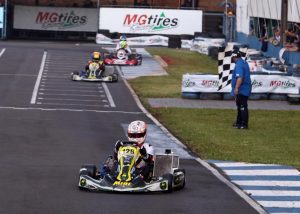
(241, 89)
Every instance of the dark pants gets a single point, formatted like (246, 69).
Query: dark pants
(242, 110)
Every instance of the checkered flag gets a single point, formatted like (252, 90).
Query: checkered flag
(225, 64)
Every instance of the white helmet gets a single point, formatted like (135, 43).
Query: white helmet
(137, 132)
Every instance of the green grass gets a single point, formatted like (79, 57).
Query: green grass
(182, 62)
(273, 137)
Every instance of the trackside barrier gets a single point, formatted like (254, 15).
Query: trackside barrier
(274, 87)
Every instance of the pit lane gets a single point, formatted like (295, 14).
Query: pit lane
(44, 144)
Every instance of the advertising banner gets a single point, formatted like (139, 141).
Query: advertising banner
(150, 21)
(1, 17)
(260, 84)
(55, 18)
(139, 40)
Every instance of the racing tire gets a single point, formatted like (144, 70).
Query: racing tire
(139, 59)
(115, 77)
(73, 74)
(182, 185)
(170, 179)
(91, 170)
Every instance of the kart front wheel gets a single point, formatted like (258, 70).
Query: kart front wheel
(170, 179)
(89, 170)
(73, 74)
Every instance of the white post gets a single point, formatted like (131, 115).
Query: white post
(226, 21)
(5, 21)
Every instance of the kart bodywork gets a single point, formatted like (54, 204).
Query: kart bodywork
(94, 74)
(121, 57)
(166, 174)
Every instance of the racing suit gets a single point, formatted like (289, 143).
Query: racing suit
(101, 68)
(145, 164)
(126, 48)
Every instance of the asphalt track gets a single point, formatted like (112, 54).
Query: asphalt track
(45, 139)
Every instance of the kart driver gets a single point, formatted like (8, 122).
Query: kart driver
(123, 44)
(95, 58)
(137, 135)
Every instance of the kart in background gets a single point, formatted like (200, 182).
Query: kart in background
(94, 74)
(121, 57)
(124, 177)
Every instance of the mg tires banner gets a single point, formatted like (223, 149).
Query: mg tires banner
(260, 84)
(150, 21)
(55, 18)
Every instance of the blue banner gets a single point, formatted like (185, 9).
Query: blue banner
(1, 17)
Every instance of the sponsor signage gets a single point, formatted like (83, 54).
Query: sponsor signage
(55, 18)
(1, 17)
(150, 21)
(260, 84)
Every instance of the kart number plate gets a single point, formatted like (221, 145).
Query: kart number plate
(118, 61)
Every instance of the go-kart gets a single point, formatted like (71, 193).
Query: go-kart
(121, 57)
(125, 177)
(94, 74)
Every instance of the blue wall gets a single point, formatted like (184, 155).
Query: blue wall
(273, 51)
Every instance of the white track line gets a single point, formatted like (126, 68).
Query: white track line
(38, 80)
(240, 164)
(242, 194)
(71, 90)
(285, 172)
(71, 94)
(281, 204)
(269, 183)
(68, 104)
(109, 97)
(81, 100)
(2, 51)
(66, 109)
(21, 75)
(273, 193)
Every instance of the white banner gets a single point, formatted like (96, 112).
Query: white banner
(139, 40)
(260, 84)
(269, 9)
(242, 21)
(149, 40)
(1, 17)
(294, 11)
(202, 45)
(55, 18)
(150, 21)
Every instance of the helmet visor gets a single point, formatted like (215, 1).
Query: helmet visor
(136, 135)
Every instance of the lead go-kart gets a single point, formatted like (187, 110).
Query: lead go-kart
(94, 74)
(122, 57)
(126, 178)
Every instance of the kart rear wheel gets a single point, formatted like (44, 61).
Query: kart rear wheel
(139, 59)
(170, 179)
(179, 179)
(89, 170)
(115, 77)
